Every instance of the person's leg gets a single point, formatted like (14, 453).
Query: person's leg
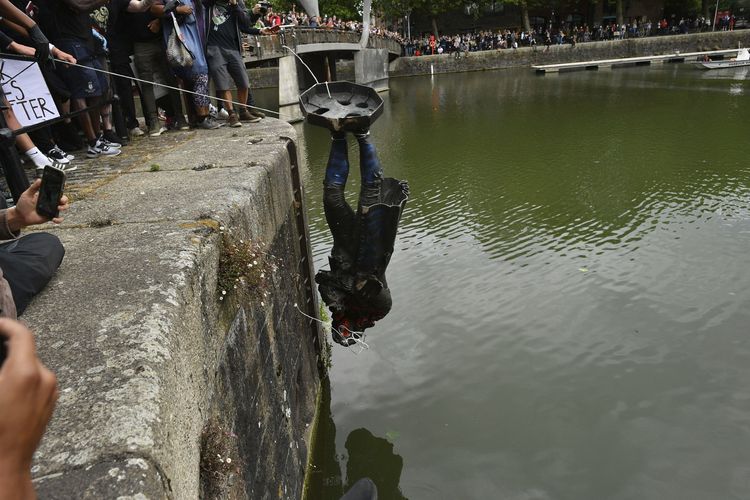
(28, 264)
(251, 102)
(124, 89)
(238, 72)
(161, 68)
(145, 58)
(24, 142)
(201, 101)
(226, 96)
(219, 71)
(107, 134)
(84, 86)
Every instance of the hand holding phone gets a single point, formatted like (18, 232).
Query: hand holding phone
(50, 192)
(28, 393)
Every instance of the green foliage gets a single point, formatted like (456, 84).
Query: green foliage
(342, 9)
(393, 8)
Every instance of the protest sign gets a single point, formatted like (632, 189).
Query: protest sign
(27, 93)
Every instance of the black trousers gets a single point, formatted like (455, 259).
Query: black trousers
(28, 263)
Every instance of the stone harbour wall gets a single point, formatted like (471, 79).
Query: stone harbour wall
(527, 57)
(174, 383)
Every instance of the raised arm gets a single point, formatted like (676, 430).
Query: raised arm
(12, 13)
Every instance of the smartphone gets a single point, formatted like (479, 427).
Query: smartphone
(53, 184)
(3, 350)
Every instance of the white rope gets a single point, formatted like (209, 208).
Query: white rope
(245, 105)
(357, 337)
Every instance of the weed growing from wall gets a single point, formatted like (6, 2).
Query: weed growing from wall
(219, 460)
(244, 268)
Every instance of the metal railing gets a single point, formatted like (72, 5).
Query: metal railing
(264, 47)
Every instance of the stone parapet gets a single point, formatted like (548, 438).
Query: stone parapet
(165, 370)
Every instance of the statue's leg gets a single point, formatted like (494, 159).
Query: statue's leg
(370, 279)
(339, 215)
(370, 170)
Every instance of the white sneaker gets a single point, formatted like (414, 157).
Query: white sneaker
(156, 132)
(105, 149)
(137, 132)
(223, 114)
(59, 155)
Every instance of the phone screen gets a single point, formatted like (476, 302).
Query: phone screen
(53, 183)
(3, 350)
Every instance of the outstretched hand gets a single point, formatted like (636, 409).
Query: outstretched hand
(28, 393)
(63, 56)
(25, 214)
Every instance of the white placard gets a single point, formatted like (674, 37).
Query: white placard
(26, 91)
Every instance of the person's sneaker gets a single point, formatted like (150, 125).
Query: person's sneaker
(223, 114)
(257, 113)
(39, 171)
(212, 111)
(137, 132)
(109, 138)
(157, 130)
(182, 125)
(59, 156)
(234, 122)
(247, 116)
(102, 148)
(93, 152)
(208, 123)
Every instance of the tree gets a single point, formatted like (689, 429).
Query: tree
(525, 5)
(433, 8)
(618, 12)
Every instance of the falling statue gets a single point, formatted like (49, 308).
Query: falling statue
(355, 289)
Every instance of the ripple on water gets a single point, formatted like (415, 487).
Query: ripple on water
(571, 286)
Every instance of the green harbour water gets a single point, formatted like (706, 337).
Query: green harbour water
(571, 288)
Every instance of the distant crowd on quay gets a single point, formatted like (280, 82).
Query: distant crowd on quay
(567, 34)
(511, 38)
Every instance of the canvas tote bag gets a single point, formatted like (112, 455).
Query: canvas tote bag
(178, 55)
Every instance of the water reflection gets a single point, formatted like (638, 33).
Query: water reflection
(726, 74)
(574, 288)
(367, 456)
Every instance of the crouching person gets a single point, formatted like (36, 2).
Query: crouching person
(27, 263)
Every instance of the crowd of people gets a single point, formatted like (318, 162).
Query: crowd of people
(572, 34)
(302, 20)
(78, 43)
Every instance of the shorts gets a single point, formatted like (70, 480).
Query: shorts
(82, 82)
(225, 62)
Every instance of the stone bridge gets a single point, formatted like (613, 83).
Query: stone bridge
(320, 48)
